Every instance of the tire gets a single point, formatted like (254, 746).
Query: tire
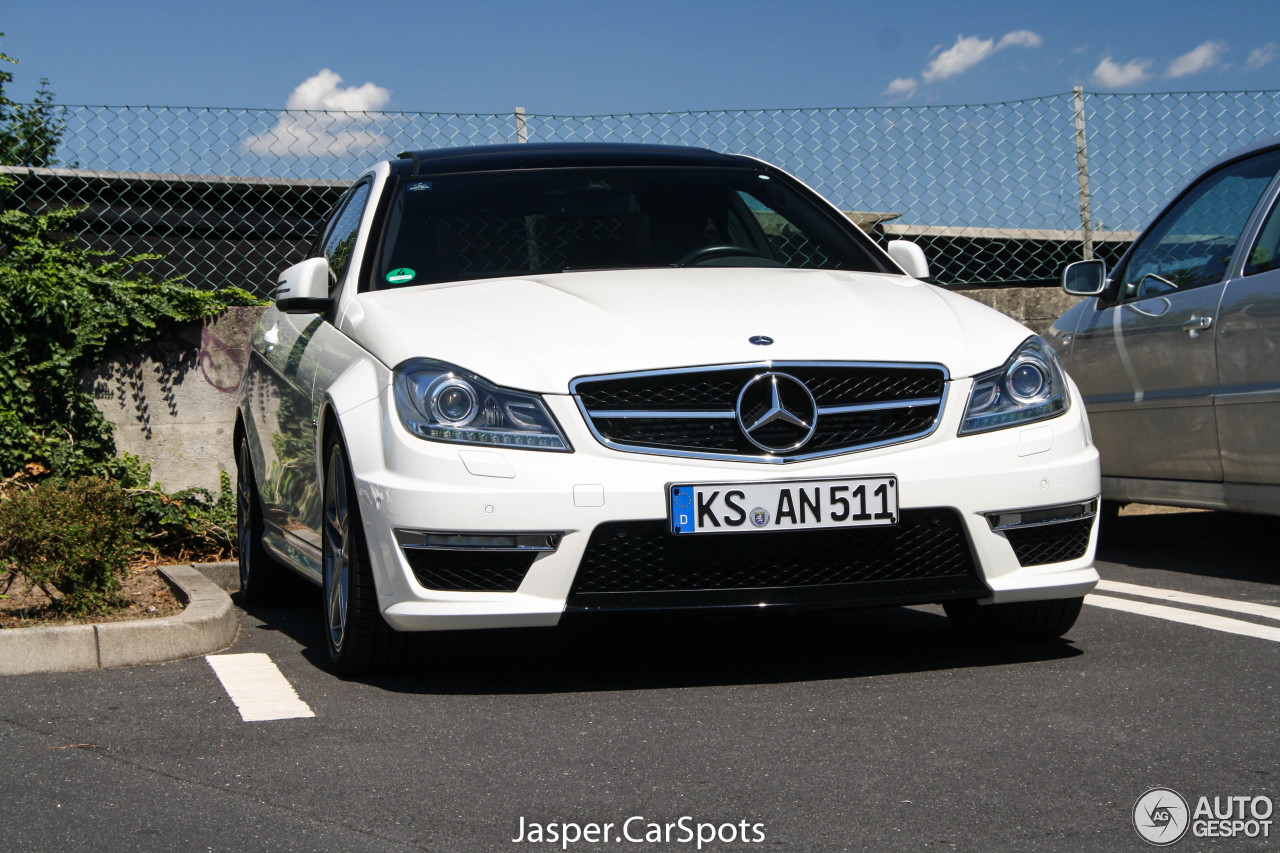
(1020, 621)
(260, 575)
(359, 640)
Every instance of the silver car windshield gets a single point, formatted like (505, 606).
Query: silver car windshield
(470, 226)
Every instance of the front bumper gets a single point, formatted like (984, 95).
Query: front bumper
(407, 486)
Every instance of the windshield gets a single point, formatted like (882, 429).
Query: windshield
(485, 225)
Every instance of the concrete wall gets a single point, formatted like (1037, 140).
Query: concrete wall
(1034, 307)
(174, 405)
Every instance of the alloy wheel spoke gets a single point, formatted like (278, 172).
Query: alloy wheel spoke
(336, 560)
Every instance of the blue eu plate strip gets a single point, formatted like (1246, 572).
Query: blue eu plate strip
(682, 509)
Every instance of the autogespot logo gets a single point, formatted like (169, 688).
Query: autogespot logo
(1160, 816)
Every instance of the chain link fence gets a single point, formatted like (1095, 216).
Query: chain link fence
(996, 194)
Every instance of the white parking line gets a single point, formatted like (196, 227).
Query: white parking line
(258, 688)
(1186, 617)
(1266, 611)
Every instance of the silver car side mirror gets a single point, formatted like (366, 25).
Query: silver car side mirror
(910, 257)
(1085, 278)
(304, 288)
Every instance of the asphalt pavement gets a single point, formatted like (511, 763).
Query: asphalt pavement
(869, 730)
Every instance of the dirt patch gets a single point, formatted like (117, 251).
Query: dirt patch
(1148, 509)
(147, 593)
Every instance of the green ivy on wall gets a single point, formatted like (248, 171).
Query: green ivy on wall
(63, 310)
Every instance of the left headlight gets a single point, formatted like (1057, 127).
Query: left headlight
(441, 402)
(1029, 387)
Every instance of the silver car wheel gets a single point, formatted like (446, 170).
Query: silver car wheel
(337, 560)
(244, 514)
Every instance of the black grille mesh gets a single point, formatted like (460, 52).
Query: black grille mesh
(679, 392)
(641, 556)
(717, 391)
(855, 428)
(1050, 543)
(469, 571)
(722, 436)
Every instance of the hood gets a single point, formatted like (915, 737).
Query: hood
(538, 333)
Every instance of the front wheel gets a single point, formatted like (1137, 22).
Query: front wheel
(1017, 621)
(358, 638)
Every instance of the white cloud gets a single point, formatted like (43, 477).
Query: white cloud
(1204, 57)
(324, 92)
(1261, 56)
(327, 120)
(1116, 76)
(1020, 38)
(902, 86)
(968, 51)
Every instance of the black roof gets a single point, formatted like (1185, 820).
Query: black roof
(552, 155)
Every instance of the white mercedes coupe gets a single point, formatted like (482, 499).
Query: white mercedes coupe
(517, 382)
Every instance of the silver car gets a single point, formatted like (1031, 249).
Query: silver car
(1177, 350)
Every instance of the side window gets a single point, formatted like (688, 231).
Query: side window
(340, 241)
(1193, 242)
(1264, 255)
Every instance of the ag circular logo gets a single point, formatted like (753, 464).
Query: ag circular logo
(1161, 817)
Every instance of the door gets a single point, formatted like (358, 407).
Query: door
(1148, 355)
(1248, 400)
(291, 347)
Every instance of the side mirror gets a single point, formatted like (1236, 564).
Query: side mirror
(910, 257)
(1085, 278)
(304, 288)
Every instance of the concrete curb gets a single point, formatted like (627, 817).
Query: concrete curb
(207, 624)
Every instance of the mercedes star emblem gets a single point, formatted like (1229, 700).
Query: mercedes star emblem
(776, 412)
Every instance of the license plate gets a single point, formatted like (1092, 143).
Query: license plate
(783, 505)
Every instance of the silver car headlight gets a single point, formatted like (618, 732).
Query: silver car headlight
(441, 402)
(1030, 386)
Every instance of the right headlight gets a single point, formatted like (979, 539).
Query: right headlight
(1029, 387)
(441, 402)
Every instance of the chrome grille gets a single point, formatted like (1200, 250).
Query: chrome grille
(693, 412)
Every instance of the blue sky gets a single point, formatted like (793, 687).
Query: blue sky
(583, 58)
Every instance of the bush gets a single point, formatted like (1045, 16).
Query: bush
(71, 539)
(191, 525)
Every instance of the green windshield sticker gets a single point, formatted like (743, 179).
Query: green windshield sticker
(401, 276)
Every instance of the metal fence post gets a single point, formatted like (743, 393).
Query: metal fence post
(1082, 167)
(522, 125)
